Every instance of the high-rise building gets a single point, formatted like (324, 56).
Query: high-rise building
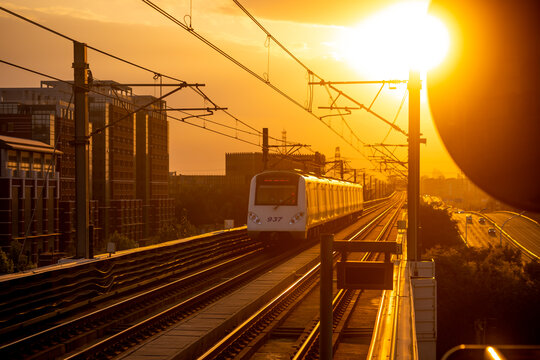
(153, 164)
(29, 196)
(128, 153)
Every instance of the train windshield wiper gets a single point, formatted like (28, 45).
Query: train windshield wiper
(281, 202)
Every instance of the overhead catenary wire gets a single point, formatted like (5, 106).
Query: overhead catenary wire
(244, 67)
(368, 109)
(130, 113)
(301, 63)
(405, 94)
(220, 51)
(154, 72)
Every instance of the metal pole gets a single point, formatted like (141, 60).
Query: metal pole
(265, 148)
(364, 186)
(413, 186)
(370, 188)
(325, 339)
(80, 89)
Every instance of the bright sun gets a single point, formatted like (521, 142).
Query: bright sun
(393, 41)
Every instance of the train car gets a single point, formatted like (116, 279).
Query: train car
(286, 204)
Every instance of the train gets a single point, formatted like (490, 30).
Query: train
(297, 206)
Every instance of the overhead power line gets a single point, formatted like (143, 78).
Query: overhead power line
(253, 73)
(196, 89)
(130, 113)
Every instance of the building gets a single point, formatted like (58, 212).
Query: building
(459, 192)
(152, 166)
(243, 166)
(46, 114)
(215, 198)
(125, 198)
(29, 196)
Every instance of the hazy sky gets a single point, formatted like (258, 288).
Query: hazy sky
(337, 40)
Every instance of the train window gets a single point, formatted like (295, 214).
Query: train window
(276, 189)
(315, 197)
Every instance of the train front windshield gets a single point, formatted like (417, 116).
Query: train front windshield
(273, 189)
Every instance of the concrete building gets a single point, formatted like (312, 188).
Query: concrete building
(152, 166)
(46, 114)
(125, 198)
(29, 197)
(231, 190)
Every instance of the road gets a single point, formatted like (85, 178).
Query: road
(475, 234)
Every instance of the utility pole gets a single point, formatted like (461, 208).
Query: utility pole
(370, 187)
(413, 186)
(326, 312)
(265, 148)
(364, 186)
(80, 89)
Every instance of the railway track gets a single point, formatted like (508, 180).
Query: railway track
(154, 296)
(64, 329)
(289, 325)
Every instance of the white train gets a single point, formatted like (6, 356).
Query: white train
(286, 204)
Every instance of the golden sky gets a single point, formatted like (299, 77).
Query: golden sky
(337, 40)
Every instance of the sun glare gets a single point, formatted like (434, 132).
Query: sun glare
(395, 40)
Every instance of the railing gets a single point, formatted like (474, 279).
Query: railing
(493, 352)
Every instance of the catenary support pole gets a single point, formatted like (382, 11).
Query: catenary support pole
(265, 148)
(413, 187)
(325, 339)
(80, 89)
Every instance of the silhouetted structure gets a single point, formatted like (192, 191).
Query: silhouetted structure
(29, 196)
(459, 192)
(128, 158)
(230, 191)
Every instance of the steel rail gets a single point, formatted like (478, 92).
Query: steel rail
(308, 347)
(46, 340)
(27, 301)
(136, 333)
(64, 330)
(229, 345)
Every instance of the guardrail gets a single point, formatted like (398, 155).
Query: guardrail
(493, 352)
(50, 290)
(504, 233)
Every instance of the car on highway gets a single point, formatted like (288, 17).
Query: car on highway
(482, 220)
(492, 232)
(469, 219)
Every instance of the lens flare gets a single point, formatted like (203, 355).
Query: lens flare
(394, 40)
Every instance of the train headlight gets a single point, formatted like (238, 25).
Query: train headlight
(254, 218)
(296, 218)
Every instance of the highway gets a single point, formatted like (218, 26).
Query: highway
(475, 233)
(524, 232)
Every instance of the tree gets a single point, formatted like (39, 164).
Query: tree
(122, 241)
(6, 264)
(20, 260)
(185, 228)
(485, 296)
(436, 228)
